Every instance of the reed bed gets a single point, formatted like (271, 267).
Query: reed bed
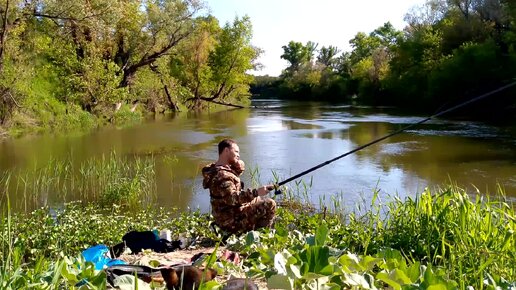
(106, 180)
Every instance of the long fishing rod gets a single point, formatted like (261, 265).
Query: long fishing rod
(393, 133)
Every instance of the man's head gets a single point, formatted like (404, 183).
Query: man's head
(229, 152)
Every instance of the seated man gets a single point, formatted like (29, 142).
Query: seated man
(236, 210)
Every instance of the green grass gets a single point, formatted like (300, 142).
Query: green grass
(106, 180)
(444, 239)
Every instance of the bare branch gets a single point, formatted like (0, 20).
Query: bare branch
(14, 100)
(58, 17)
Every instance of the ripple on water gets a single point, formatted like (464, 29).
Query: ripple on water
(255, 125)
(401, 148)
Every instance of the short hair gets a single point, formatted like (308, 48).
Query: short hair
(226, 143)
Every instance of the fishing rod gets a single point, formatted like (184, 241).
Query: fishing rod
(392, 134)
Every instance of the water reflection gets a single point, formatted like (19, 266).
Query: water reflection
(294, 125)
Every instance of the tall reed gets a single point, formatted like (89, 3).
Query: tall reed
(106, 180)
(470, 236)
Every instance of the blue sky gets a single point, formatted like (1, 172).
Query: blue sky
(326, 22)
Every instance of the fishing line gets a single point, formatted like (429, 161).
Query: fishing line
(394, 133)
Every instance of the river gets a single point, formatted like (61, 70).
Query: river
(282, 138)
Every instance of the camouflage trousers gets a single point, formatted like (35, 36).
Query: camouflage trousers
(259, 213)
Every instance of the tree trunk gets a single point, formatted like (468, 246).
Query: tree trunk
(3, 35)
(172, 105)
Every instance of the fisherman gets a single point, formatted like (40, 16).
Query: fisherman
(234, 209)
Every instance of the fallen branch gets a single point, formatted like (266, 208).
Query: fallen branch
(14, 100)
(211, 100)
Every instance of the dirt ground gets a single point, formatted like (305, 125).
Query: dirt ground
(184, 256)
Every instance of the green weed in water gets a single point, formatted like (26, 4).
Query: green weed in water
(107, 180)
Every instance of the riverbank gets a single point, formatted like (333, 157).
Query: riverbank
(445, 238)
(48, 170)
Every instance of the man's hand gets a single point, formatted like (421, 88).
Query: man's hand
(238, 167)
(264, 190)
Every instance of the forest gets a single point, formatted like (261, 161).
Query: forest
(450, 51)
(78, 64)
(67, 64)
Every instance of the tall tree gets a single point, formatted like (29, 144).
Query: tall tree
(298, 54)
(14, 62)
(160, 26)
(103, 44)
(327, 56)
(229, 63)
(190, 65)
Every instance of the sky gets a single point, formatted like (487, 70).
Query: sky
(326, 22)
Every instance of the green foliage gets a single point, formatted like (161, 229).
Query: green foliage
(327, 56)
(60, 57)
(126, 115)
(191, 67)
(450, 51)
(231, 58)
(297, 55)
(109, 180)
(441, 240)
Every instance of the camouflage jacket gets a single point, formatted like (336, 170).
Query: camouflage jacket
(226, 195)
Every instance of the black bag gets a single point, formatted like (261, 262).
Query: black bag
(138, 241)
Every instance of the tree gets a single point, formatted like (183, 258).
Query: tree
(161, 26)
(298, 54)
(464, 6)
(327, 56)
(103, 44)
(429, 13)
(311, 48)
(231, 58)
(190, 65)
(369, 60)
(14, 65)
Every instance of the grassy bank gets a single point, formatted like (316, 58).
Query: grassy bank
(444, 239)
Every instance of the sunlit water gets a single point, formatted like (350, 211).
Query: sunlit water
(278, 138)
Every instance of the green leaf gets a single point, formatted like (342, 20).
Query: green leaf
(350, 262)
(280, 263)
(99, 280)
(69, 276)
(279, 282)
(368, 263)
(317, 259)
(414, 272)
(432, 279)
(321, 234)
(354, 279)
(210, 285)
(252, 238)
(295, 271)
(154, 263)
(438, 287)
(129, 282)
(312, 276)
(395, 278)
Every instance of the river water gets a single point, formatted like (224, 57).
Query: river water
(278, 139)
